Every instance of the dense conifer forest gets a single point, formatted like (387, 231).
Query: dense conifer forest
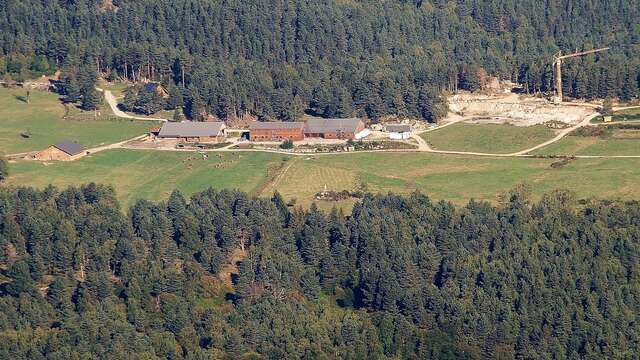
(278, 58)
(398, 277)
(222, 275)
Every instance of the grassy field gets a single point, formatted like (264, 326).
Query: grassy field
(627, 115)
(153, 175)
(487, 138)
(42, 117)
(616, 142)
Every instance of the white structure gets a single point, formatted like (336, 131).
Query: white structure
(398, 131)
(363, 134)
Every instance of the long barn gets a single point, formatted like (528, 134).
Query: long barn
(352, 128)
(193, 131)
(276, 131)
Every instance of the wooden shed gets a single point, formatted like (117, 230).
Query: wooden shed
(62, 151)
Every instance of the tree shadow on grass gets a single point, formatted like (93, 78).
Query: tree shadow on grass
(22, 98)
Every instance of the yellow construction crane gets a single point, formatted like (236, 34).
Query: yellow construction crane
(557, 65)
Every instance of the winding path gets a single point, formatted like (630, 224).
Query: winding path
(113, 104)
(564, 132)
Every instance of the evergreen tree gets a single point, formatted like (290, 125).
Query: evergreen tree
(177, 115)
(90, 99)
(629, 88)
(4, 168)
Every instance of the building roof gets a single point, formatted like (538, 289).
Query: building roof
(397, 128)
(191, 129)
(276, 125)
(69, 147)
(319, 126)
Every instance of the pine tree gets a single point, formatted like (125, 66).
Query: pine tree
(177, 115)
(607, 107)
(4, 168)
(90, 100)
(72, 91)
(629, 88)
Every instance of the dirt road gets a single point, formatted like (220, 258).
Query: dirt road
(586, 121)
(113, 104)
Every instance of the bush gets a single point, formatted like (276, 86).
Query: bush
(588, 131)
(4, 168)
(607, 107)
(287, 145)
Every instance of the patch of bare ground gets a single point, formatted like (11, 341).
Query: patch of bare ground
(514, 109)
(106, 6)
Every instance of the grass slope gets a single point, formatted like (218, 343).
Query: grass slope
(627, 115)
(150, 174)
(42, 117)
(487, 138)
(615, 143)
(153, 175)
(459, 178)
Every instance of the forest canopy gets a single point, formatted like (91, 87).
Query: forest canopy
(225, 275)
(277, 58)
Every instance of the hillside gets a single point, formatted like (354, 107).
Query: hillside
(400, 277)
(277, 58)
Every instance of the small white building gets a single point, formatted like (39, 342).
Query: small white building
(398, 131)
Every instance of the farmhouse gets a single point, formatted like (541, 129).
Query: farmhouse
(193, 131)
(336, 129)
(276, 131)
(62, 151)
(398, 131)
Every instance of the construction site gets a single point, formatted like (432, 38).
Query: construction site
(506, 104)
(513, 109)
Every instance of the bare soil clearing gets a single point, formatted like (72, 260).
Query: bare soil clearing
(514, 109)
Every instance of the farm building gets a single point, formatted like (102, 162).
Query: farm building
(398, 131)
(62, 151)
(193, 131)
(353, 129)
(276, 131)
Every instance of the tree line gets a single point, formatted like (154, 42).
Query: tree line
(277, 59)
(397, 277)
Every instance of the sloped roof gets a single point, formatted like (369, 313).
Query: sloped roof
(319, 126)
(276, 125)
(69, 147)
(191, 129)
(400, 128)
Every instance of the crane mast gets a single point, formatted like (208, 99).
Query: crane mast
(557, 64)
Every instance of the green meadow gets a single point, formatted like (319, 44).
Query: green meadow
(41, 119)
(137, 174)
(487, 138)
